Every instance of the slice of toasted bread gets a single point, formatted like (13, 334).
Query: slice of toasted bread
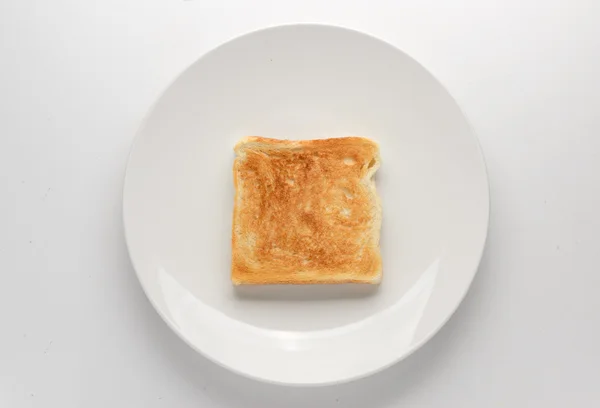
(306, 212)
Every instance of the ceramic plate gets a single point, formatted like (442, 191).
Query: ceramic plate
(304, 82)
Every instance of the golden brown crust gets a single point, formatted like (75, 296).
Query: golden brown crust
(305, 212)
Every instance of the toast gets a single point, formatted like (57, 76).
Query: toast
(306, 212)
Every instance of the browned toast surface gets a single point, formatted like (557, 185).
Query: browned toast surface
(306, 212)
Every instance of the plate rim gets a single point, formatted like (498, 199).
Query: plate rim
(354, 377)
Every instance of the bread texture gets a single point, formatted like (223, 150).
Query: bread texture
(306, 212)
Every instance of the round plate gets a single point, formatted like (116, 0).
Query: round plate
(305, 82)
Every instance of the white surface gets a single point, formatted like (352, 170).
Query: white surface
(76, 79)
(303, 82)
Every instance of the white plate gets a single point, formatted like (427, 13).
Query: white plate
(305, 81)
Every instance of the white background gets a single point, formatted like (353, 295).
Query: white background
(76, 78)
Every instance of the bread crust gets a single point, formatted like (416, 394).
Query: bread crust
(306, 212)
